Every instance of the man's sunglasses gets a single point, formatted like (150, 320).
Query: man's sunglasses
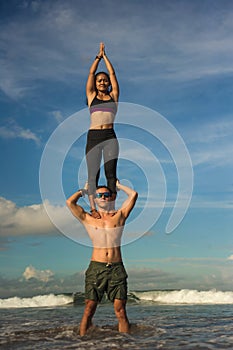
(101, 194)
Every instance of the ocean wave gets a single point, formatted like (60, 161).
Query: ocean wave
(37, 301)
(186, 296)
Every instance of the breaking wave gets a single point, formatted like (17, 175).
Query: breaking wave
(36, 301)
(184, 296)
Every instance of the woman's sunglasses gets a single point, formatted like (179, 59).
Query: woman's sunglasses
(101, 194)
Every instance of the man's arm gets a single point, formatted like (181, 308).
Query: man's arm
(129, 203)
(76, 209)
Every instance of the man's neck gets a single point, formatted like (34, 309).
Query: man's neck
(105, 212)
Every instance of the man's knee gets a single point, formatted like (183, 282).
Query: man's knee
(90, 307)
(119, 306)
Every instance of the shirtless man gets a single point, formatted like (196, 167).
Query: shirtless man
(106, 272)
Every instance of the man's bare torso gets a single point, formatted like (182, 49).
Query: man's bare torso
(105, 234)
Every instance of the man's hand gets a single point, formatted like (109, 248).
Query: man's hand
(85, 189)
(117, 185)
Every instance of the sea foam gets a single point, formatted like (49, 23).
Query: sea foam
(186, 296)
(36, 301)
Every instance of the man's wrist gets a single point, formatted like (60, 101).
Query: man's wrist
(81, 192)
(98, 58)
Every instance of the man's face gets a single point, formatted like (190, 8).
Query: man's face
(102, 197)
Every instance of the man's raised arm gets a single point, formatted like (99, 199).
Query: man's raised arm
(129, 203)
(76, 209)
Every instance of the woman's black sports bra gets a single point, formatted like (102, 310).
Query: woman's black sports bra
(98, 105)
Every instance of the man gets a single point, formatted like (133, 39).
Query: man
(106, 271)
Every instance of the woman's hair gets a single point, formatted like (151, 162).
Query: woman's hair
(107, 75)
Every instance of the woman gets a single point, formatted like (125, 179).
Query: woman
(102, 91)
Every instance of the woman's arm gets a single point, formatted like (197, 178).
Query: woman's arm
(90, 85)
(113, 79)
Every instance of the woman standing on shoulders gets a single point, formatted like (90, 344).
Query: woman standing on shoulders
(102, 91)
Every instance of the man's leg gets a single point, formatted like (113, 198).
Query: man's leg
(120, 311)
(88, 313)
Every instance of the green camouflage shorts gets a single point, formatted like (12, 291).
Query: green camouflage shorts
(109, 278)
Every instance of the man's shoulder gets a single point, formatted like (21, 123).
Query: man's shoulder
(88, 218)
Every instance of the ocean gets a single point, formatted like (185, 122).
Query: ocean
(179, 319)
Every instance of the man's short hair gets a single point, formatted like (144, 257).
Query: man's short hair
(103, 186)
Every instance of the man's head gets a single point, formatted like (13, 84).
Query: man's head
(103, 197)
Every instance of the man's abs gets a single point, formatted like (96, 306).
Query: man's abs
(108, 255)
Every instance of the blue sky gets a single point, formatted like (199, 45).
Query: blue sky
(173, 58)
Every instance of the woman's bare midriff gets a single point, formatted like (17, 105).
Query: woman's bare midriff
(102, 120)
(108, 255)
(101, 127)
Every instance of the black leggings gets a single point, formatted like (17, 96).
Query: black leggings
(101, 142)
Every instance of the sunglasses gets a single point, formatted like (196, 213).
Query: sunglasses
(101, 194)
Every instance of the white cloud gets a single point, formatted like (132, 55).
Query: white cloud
(211, 143)
(28, 220)
(66, 33)
(215, 156)
(15, 131)
(40, 275)
(214, 204)
(58, 116)
(180, 272)
(206, 273)
(39, 219)
(30, 283)
(213, 131)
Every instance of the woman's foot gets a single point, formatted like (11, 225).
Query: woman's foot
(95, 214)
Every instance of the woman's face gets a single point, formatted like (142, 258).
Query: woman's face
(102, 82)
